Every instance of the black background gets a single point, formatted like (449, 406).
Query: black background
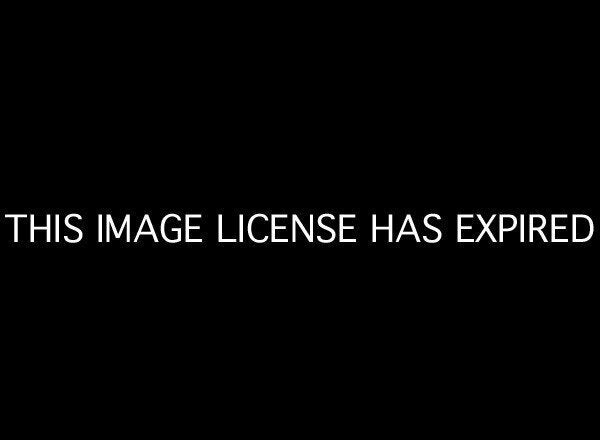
(381, 113)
